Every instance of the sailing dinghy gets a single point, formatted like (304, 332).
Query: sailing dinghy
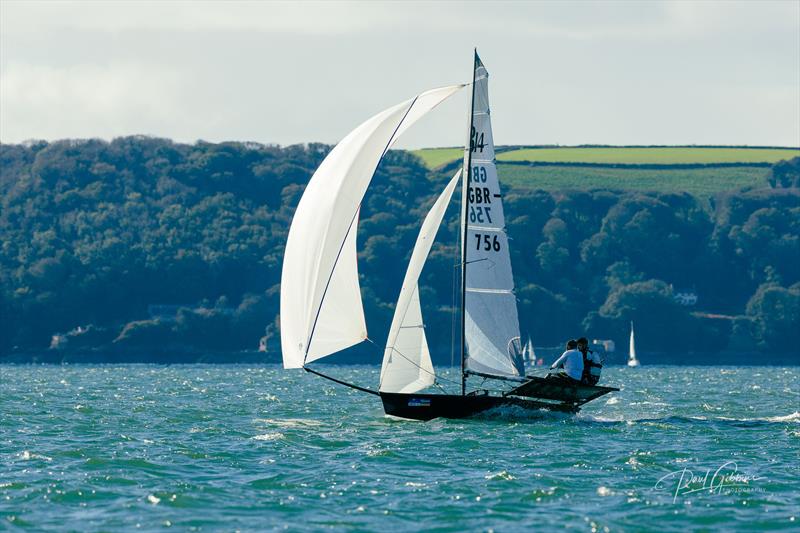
(321, 309)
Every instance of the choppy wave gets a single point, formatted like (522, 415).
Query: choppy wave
(257, 448)
(697, 419)
(517, 413)
(288, 422)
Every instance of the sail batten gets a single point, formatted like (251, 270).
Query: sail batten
(491, 324)
(321, 310)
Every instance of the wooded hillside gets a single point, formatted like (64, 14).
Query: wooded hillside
(148, 245)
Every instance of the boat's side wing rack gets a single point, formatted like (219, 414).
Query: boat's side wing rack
(558, 390)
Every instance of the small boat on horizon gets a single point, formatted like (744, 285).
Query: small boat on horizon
(632, 360)
(529, 357)
(321, 310)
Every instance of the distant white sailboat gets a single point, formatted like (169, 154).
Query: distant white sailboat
(528, 354)
(632, 360)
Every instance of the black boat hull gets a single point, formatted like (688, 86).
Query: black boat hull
(430, 406)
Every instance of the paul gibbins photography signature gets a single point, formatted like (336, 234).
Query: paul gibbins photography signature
(724, 480)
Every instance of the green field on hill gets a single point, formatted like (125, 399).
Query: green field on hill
(697, 181)
(435, 157)
(649, 156)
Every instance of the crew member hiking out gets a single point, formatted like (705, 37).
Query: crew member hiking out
(568, 367)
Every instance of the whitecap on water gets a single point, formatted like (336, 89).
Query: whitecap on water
(153, 499)
(612, 401)
(604, 491)
(794, 417)
(289, 422)
(504, 475)
(269, 436)
(27, 456)
(393, 418)
(601, 419)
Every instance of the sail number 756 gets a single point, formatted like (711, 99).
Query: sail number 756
(487, 242)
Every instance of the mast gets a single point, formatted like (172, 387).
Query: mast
(467, 177)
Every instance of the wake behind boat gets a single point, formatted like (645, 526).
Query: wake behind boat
(321, 307)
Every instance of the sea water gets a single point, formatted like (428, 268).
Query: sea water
(143, 447)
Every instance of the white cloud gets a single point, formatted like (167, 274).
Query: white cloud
(577, 19)
(41, 101)
(568, 72)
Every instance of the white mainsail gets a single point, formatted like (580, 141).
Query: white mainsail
(491, 324)
(321, 310)
(407, 365)
(632, 360)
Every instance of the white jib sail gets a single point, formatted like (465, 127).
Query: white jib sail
(491, 322)
(321, 310)
(407, 365)
(632, 348)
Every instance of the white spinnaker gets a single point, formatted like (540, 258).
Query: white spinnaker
(491, 324)
(407, 365)
(319, 281)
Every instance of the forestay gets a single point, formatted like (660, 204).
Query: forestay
(491, 325)
(321, 310)
(407, 365)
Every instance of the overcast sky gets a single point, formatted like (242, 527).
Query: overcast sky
(561, 73)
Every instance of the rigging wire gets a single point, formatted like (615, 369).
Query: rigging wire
(453, 315)
(435, 377)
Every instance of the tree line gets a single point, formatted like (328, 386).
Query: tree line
(95, 234)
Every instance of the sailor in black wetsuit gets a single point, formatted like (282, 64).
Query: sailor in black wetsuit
(592, 365)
